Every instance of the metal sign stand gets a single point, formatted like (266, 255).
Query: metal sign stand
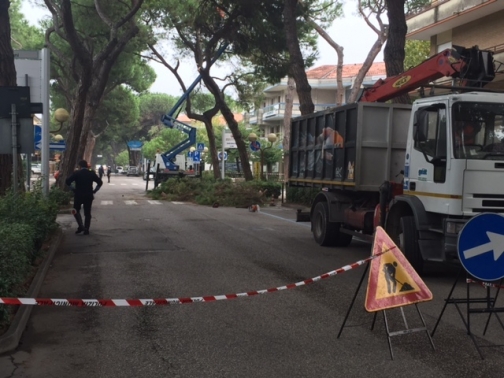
(488, 300)
(390, 333)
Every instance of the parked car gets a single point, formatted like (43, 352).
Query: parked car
(36, 169)
(132, 171)
(119, 170)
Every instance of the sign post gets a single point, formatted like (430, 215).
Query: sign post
(33, 69)
(392, 282)
(223, 174)
(480, 248)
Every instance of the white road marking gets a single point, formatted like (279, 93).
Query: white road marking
(177, 203)
(134, 184)
(123, 184)
(154, 202)
(107, 203)
(131, 202)
(111, 184)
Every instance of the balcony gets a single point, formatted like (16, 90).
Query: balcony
(443, 15)
(276, 111)
(254, 117)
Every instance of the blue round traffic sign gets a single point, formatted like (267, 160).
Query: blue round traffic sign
(481, 247)
(255, 146)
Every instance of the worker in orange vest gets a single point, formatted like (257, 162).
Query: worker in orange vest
(331, 137)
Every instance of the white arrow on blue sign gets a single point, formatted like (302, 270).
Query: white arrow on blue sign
(219, 155)
(196, 157)
(481, 245)
(61, 146)
(37, 134)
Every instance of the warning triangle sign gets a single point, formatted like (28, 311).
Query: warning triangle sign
(392, 280)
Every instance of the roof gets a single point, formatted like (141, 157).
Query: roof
(349, 70)
(219, 119)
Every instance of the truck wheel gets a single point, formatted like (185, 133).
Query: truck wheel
(408, 243)
(327, 233)
(324, 232)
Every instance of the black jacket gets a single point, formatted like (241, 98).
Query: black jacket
(84, 179)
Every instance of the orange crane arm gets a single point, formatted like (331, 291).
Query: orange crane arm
(475, 68)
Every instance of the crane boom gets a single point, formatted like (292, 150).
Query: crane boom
(170, 120)
(474, 67)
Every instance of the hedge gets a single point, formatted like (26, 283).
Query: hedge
(26, 221)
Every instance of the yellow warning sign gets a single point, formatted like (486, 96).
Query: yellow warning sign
(392, 280)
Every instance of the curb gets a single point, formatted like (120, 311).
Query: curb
(10, 340)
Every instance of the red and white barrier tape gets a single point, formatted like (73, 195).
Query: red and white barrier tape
(171, 301)
(484, 284)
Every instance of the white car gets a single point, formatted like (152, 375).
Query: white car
(36, 169)
(119, 169)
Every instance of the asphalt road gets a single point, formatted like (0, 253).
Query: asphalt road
(154, 249)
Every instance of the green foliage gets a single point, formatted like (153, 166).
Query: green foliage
(166, 139)
(23, 35)
(302, 196)
(412, 6)
(26, 220)
(15, 254)
(416, 53)
(59, 197)
(208, 191)
(122, 158)
(31, 209)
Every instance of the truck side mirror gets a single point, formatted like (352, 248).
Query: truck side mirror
(421, 126)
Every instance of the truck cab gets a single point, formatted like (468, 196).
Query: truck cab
(454, 168)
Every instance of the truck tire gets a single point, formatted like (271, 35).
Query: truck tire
(408, 243)
(327, 233)
(323, 231)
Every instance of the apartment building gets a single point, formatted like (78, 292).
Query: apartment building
(322, 79)
(464, 23)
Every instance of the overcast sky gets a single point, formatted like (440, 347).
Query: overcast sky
(351, 32)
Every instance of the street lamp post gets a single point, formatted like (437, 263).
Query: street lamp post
(61, 116)
(272, 138)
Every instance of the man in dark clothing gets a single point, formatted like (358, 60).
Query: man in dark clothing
(83, 194)
(109, 172)
(101, 171)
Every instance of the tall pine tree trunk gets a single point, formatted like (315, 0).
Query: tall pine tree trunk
(297, 67)
(394, 53)
(212, 148)
(90, 145)
(231, 122)
(289, 100)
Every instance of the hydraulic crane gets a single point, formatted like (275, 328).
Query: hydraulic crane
(166, 160)
(474, 67)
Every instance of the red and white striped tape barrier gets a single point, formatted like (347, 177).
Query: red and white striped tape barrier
(484, 284)
(171, 301)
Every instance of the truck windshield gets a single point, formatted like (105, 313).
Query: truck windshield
(478, 130)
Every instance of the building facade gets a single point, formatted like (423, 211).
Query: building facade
(269, 118)
(466, 23)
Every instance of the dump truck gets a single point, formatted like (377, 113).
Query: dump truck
(421, 171)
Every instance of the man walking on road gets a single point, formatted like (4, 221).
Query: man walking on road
(109, 172)
(101, 171)
(83, 194)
